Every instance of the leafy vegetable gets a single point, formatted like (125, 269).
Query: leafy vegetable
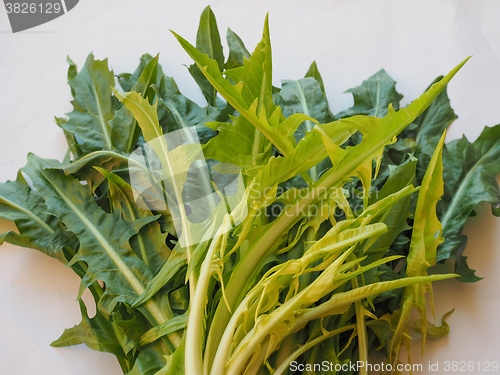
(470, 178)
(259, 229)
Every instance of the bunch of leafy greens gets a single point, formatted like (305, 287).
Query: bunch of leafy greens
(345, 214)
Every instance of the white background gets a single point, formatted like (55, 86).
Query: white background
(415, 41)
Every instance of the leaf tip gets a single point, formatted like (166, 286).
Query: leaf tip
(119, 94)
(177, 36)
(266, 25)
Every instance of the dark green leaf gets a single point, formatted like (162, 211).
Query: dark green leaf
(208, 42)
(176, 261)
(304, 96)
(124, 130)
(149, 244)
(178, 112)
(149, 361)
(175, 361)
(470, 178)
(97, 333)
(84, 168)
(172, 325)
(313, 72)
(104, 238)
(373, 96)
(396, 220)
(26, 208)
(237, 50)
(127, 81)
(93, 106)
(430, 126)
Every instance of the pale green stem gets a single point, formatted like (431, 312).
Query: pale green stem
(196, 323)
(308, 345)
(361, 328)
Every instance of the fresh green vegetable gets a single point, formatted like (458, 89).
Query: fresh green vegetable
(316, 233)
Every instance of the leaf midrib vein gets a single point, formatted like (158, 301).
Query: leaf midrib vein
(102, 121)
(127, 273)
(459, 192)
(29, 213)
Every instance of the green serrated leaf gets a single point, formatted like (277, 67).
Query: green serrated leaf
(83, 168)
(176, 112)
(149, 243)
(252, 95)
(313, 72)
(237, 50)
(426, 236)
(304, 96)
(26, 208)
(208, 42)
(175, 324)
(93, 106)
(104, 238)
(396, 220)
(175, 262)
(430, 125)
(373, 96)
(470, 178)
(124, 131)
(97, 333)
(149, 361)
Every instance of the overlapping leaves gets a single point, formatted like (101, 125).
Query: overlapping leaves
(313, 272)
